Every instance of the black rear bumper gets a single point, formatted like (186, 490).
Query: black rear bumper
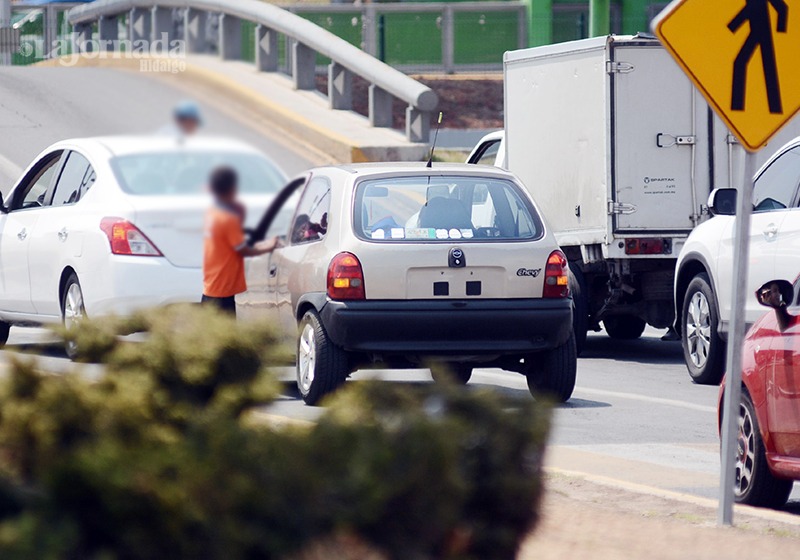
(449, 327)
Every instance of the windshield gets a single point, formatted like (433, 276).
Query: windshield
(444, 209)
(186, 173)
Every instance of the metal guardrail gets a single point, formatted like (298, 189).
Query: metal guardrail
(151, 19)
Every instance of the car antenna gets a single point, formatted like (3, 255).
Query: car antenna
(435, 138)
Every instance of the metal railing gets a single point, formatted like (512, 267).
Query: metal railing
(151, 20)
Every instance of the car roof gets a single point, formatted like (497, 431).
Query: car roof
(128, 145)
(412, 169)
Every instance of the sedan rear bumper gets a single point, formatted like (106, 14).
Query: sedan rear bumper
(449, 327)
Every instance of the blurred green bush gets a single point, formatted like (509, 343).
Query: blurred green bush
(160, 459)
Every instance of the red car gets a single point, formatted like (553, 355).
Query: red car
(768, 444)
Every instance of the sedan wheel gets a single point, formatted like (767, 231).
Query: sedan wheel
(755, 483)
(74, 311)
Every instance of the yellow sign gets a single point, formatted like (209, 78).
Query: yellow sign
(743, 55)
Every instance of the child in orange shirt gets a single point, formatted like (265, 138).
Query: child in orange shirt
(224, 247)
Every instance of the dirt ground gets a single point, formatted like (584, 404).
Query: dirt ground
(474, 101)
(586, 520)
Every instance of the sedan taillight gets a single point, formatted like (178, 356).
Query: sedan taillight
(126, 239)
(556, 276)
(345, 278)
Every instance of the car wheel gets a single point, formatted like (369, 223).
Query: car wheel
(321, 365)
(624, 327)
(553, 373)
(5, 329)
(580, 307)
(73, 311)
(451, 373)
(703, 349)
(755, 483)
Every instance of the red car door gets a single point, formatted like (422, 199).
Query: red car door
(783, 390)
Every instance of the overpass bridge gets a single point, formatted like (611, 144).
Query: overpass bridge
(128, 60)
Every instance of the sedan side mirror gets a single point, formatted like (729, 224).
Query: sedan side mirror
(722, 202)
(776, 294)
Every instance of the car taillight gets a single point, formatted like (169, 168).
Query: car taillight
(126, 239)
(648, 246)
(345, 278)
(556, 276)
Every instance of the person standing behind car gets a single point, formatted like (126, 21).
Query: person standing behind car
(224, 245)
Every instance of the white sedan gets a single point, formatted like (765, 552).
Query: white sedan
(112, 225)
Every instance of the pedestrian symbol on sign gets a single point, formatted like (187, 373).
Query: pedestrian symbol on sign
(756, 13)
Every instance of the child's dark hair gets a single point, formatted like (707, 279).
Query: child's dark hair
(223, 181)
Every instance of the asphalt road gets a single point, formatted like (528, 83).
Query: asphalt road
(40, 106)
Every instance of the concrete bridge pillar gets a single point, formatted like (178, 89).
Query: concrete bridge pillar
(195, 24)
(162, 29)
(304, 66)
(108, 28)
(230, 37)
(418, 125)
(340, 87)
(380, 107)
(267, 59)
(139, 24)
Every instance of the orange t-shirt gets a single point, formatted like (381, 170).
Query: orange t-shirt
(223, 266)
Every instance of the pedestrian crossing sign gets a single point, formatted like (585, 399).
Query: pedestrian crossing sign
(743, 56)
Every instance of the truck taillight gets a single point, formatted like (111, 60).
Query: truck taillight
(556, 276)
(126, 239)
(345, 278)
(648, 246)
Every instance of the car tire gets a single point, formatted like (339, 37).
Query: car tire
(624, 327)
(755, 483)
(459, 374)
(72, 311)
(580, 307)
(322, 367)
(5, 329)
(553, 373)
(703, 349)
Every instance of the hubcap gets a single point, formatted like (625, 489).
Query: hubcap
(73, 312)
(745, 451)
(306, 358)
(698, 329)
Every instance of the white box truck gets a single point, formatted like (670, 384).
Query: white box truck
(620, 151)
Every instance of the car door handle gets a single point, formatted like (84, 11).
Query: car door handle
(22, 234)
(273, 271)
(62, 234)
(771, 231)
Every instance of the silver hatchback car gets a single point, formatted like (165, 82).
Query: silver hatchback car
(401, 266)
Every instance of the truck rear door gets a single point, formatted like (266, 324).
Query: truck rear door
(653, 141)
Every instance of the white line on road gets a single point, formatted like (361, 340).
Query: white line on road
(645, 398)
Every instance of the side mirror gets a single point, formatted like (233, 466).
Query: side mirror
(722, 202)
(776, 294)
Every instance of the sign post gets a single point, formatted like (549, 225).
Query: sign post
(740, 54)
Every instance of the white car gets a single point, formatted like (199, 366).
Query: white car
(704, 271)
(491, 150)
(103, 226)
(407, 266)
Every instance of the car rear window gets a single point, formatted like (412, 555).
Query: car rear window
(186, 173)
(444, 209)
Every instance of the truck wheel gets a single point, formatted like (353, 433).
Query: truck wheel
(5, 328)
(755, 483)
(321, 365)
(580, 307)
(553, 373)
(451, 373)
(703, 349)
(624, 327)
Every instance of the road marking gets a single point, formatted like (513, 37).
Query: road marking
(646, 398)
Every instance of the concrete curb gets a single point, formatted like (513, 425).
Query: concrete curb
(740, 510)
(329, 145)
